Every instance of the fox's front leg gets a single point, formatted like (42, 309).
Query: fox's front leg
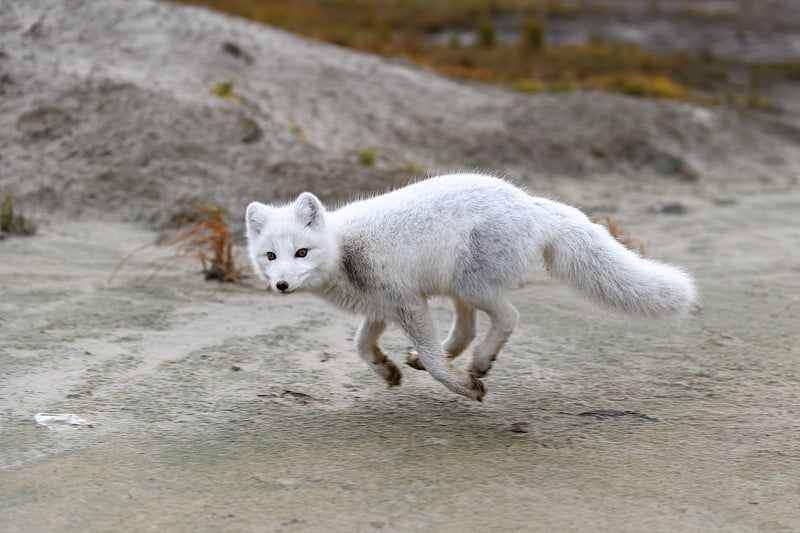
(367, 345)
(462, 331)
(416, 322)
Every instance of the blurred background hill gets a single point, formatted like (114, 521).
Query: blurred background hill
(133, 109)
(698, 50)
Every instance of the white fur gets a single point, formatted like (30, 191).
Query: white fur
(466, 236)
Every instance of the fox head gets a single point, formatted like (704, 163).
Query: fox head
(291, 247)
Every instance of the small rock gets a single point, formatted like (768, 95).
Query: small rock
(519, 427)
(235, 368)
(235, 50)
(724, 201)
(613, 413)
(669, 208)
(294, 394)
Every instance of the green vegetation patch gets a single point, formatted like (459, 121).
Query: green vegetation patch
(13, 222)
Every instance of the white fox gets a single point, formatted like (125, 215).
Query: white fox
(464, 236)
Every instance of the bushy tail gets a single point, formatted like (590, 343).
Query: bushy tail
(586, 257)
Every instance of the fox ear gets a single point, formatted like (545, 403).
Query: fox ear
(256, 219)
(309, 210)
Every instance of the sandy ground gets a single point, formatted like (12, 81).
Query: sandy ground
(233, 409)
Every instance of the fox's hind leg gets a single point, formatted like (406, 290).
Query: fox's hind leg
(462, 332)
(504, 318)
(367, 345)
(417, 323)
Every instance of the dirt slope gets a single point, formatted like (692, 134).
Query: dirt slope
(107, 110)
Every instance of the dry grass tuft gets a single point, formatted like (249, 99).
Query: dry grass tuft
(621, 234)
(200, 233)
(13, 222)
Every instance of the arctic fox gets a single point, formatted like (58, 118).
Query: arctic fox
(464, 236)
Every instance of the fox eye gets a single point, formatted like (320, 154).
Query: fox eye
(301, 252)
(271, 256)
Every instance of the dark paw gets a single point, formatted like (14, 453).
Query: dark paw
(394, 375)
(476, 388)
(413, 361)
(478, 373)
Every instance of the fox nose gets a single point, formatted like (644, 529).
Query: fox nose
(281, 285)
